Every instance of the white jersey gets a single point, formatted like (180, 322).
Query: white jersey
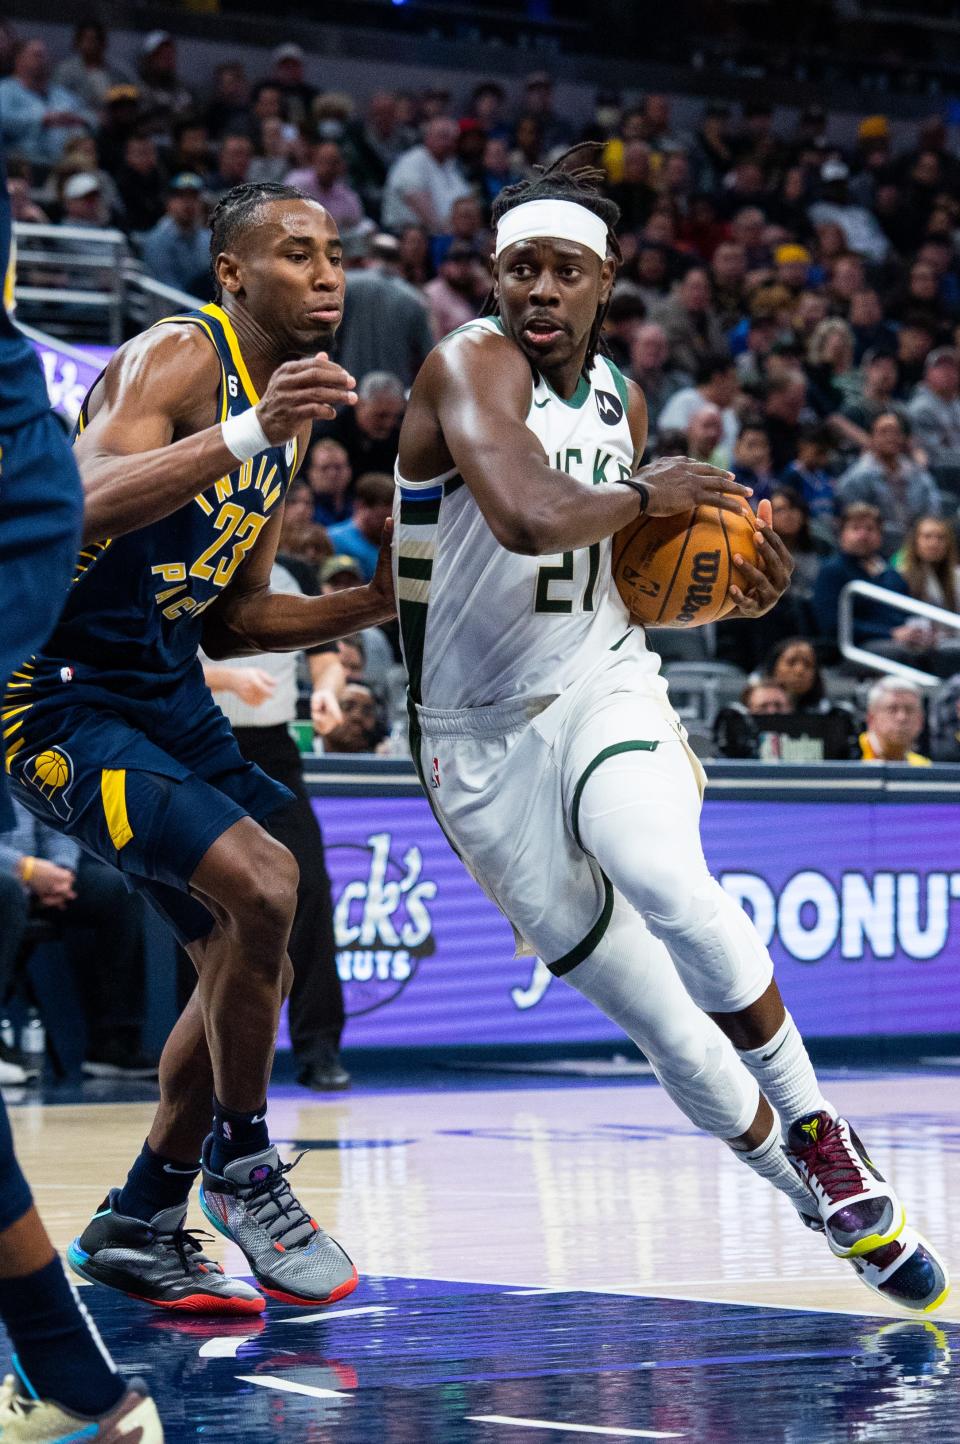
(480, 624)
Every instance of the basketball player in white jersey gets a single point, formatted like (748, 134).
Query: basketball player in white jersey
(541, 727)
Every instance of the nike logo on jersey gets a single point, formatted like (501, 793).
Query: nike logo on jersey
(541, 404)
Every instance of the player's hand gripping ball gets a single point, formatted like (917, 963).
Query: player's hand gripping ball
(676, 571)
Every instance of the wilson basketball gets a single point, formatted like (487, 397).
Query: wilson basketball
(674, 571)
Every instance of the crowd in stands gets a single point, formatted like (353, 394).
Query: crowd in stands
(789, 305)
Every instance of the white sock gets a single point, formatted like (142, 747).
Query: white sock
(783, 1069)
(770, 1162)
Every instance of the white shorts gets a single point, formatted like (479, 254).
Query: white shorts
(505, 784)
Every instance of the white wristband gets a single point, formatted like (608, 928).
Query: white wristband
(244, 436)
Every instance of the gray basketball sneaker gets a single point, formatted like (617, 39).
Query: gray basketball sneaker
(292, 1258)
(159, 1262)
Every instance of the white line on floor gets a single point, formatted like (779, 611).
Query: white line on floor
(570, 1428)
(286, 1386)
(329, 1315)
(225, 1346)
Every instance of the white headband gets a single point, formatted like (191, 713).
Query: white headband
(563, 220)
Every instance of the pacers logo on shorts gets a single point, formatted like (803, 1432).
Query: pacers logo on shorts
(51, 773)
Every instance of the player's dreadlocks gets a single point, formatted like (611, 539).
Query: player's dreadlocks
(566, 180)
(235, 209)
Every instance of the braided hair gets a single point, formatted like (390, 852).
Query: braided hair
(236, 209)
(568, 178)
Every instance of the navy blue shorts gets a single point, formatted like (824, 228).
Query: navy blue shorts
(146, 783)
(40, 515)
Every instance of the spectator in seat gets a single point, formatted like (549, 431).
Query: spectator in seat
(930, 565)
(808, 475)
(915, 340)
(791, 522)
(894, 723)
(361, 728)
(860, 558)
(43, 874)
(228, 112)
(728, 273)
(751, 461)
(371, 146)
(288, 78)
(626, 314)
(84, 203)
(718, 385)
(233, 165)
(454, 295)
(162, 93)
(370, 430)
(705, 436)
(692, 328)
(785, 400)
(86, 73)
(142, 183)
(886, 477)
(871, 331)
(792, 664)
(360, 536)
(649, 367)
(764, 697)
(38, 116)
(879, 374)
(323, 181)
(934, 410)
(329, 477)
(424, 182)
(176, 250)
(273, 161)
(860, 227)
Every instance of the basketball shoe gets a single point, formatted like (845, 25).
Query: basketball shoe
(25, 1420)
(292, 1258)
(908, 1271)
(857, 1207)
(159, 1262)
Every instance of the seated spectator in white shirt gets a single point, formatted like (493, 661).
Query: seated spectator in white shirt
(37, 116)
(423, 183)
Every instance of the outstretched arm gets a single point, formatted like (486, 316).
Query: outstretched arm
(478, 389)
(149, 446)
(250, 618)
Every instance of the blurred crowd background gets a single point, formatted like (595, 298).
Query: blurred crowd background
(789, 303)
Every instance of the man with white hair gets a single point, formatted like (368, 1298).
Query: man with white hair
(705, 439)
(370, 431)
(649, 356)
(424, 182)
(894, 723)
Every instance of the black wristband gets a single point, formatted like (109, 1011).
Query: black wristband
(642, 490)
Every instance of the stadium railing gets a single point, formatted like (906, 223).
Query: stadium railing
(910, 608)
(83, 284)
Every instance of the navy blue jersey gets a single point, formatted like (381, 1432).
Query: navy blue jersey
(23, 391)
(133, 615)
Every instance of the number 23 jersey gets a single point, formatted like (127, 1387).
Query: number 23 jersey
(479, 623)
(133, 615)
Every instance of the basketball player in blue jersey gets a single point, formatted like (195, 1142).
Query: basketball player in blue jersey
(65, 1384)
(186, 446)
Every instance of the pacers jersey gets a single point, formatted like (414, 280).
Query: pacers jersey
(480, 624)
(23, 391)
(133, 614)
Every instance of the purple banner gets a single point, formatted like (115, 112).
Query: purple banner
(69, 373)
(859, 903)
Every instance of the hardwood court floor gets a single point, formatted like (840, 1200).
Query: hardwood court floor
(545, 1260)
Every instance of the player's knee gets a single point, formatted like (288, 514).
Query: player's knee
(265, 891)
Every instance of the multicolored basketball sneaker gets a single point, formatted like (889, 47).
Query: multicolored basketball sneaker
(858, 1208)
(25, 1419)
(908, 1271)
(292, 1258)
(159, 1262)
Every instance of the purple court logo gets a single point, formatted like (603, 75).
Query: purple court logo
(381, 918)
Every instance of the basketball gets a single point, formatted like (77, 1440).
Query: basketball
(51, 769)
(674, 571)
